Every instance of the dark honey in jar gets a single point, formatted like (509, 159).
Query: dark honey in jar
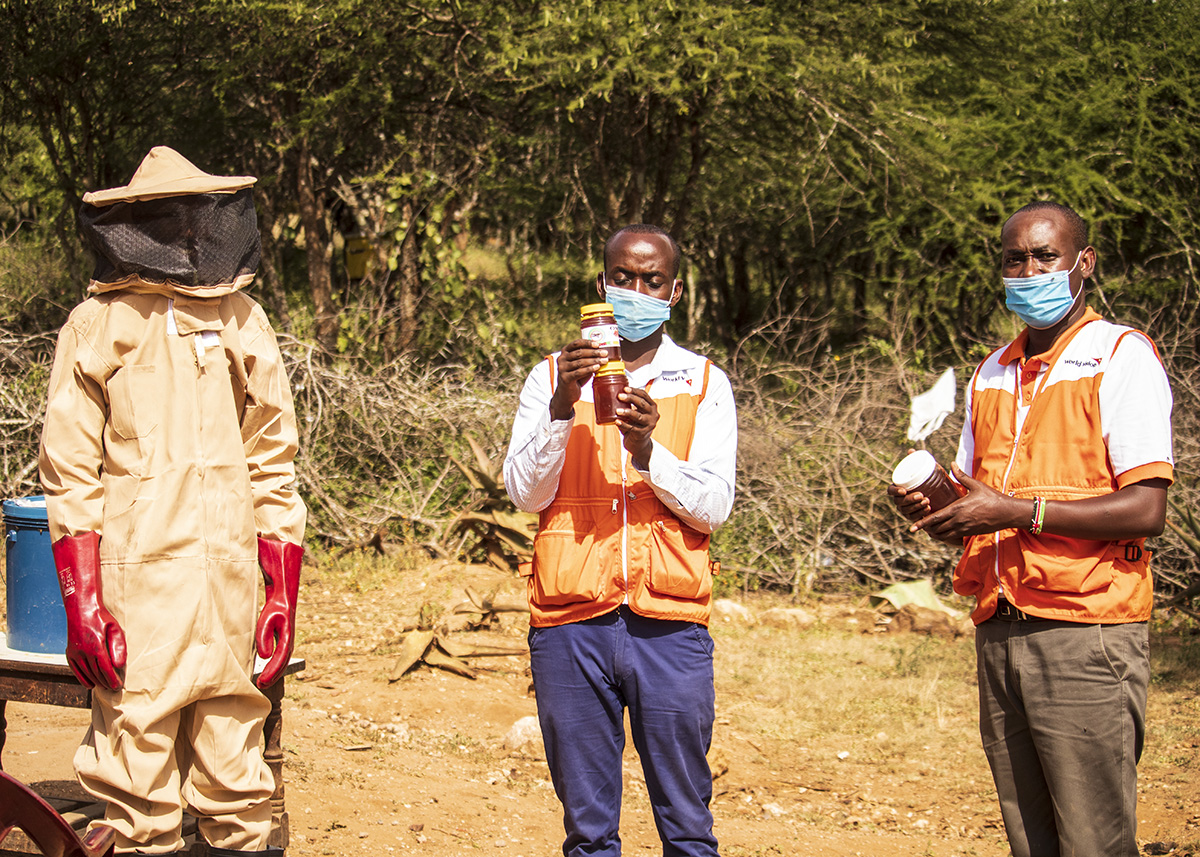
(920, 472)
(608, 381)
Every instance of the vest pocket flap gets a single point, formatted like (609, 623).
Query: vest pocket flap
(1076, 566)
(976, 564)
(566, 568)
(679, 561)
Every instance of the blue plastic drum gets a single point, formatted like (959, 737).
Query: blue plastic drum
(36, 619)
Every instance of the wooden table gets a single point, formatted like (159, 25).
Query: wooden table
(46, 679)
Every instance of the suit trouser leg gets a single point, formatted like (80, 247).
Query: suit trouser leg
(1062, 718)
(226, 782)
(127, 759)
(146, 764)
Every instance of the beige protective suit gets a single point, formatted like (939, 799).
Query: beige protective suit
(170, 430)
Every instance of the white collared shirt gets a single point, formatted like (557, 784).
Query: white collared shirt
(699, 490)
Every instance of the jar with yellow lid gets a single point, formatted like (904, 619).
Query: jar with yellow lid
(607, 383)
(598, 325)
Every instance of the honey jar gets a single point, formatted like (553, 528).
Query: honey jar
(608, 381)
(598, 325)
(920, 472)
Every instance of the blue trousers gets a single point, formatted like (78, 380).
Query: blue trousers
(584, 675)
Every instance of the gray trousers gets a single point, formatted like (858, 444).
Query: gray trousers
(1062, 714)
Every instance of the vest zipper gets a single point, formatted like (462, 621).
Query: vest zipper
(624, 525)
(1018, 431)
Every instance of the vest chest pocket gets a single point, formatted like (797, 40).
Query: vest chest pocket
(679, 562)
(566, 569)
(133, 396)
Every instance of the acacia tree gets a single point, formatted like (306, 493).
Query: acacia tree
(1105, 122)
(348, 98)
(778, 140)
(288, 79)
(95, 84)
(844, 161)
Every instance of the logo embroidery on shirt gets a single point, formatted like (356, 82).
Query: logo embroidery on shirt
(1084, 364)
(678, 375)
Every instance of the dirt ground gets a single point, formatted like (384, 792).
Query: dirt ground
(804, 763)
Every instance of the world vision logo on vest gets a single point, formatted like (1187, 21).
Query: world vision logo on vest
(1093, 363)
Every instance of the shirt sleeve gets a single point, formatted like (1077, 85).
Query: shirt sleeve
(1135, 412)
(71, 456)
(700, 490)
(269, 437)
(966, 440)
(538, 447)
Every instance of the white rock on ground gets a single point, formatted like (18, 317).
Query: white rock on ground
(525, 734)
(728, 610)
(787, 617)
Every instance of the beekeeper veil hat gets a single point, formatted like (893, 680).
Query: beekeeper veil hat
(173, 224)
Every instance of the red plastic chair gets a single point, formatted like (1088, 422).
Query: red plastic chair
(21, 807)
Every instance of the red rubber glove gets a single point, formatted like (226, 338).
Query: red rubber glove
(276, 631)
(95, 642)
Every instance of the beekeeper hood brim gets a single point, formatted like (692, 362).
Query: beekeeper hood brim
(164, 172)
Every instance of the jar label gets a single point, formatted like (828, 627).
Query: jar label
(603, 336)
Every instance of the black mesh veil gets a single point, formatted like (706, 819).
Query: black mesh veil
(202, 239)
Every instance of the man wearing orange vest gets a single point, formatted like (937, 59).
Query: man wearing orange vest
(1065, 458)
(621, 580)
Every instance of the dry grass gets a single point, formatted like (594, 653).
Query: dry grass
(845, 684)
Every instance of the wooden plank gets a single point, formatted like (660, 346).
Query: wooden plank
(80, 817)
(17, 844)
(21, 687)
(64, 804)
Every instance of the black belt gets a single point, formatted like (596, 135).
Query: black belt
(1005, 612)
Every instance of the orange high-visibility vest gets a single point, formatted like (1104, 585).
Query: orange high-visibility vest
(1059, 454)
(607, 537)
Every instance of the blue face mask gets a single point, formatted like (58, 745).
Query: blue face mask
(637, 315)
(1041, 301)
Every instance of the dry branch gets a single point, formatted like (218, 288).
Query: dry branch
(818, 437)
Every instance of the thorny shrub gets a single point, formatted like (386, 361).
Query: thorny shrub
(816, 447)
(818, 438)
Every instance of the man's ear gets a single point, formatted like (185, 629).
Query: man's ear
(1087, 262)
(600, 285)
(676, 291)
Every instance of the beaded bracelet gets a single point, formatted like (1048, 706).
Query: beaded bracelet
(1039, 515)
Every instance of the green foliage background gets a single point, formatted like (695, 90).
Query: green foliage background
(836, 170)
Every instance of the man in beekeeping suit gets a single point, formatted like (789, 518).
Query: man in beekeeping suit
(166, 460)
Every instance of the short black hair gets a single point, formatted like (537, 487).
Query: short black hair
(646, 229)
(1076, 224)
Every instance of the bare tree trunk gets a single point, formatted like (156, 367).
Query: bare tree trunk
(318, 254)
(695, 303)
(272, 291)
(684, 203)
(739, 257)
(408, 282)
